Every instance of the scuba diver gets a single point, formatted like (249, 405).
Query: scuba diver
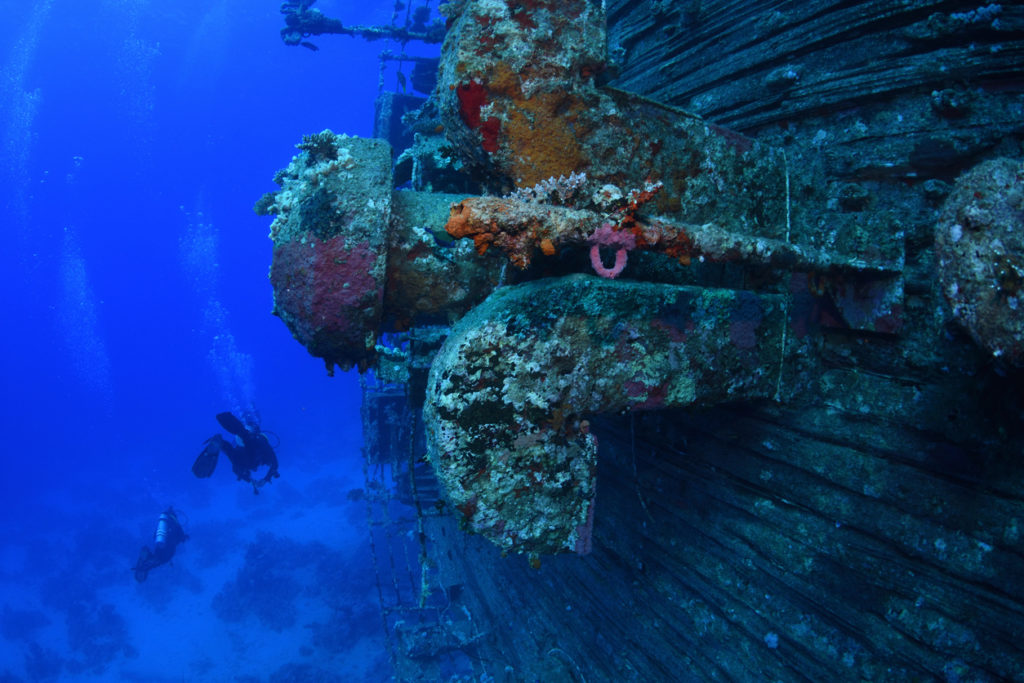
(250, 451)
(168, 535)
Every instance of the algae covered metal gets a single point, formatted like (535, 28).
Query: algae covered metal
(329, 253)
(353, 259)
(979, 242)
(512, 388)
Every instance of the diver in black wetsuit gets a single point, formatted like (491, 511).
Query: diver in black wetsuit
(253, 451)
(167, 537)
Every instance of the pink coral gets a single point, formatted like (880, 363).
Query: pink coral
(608, 236)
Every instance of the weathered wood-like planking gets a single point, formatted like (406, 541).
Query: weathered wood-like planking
(759, 543)
(746, 64)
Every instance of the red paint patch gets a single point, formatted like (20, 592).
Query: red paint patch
(468, 509)
(321, 289)
(472, 98)
(523, 18)
(489, 129)
(653, 396)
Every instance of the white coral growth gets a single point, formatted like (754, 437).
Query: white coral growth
(560, 190)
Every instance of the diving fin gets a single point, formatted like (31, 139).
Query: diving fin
(142, 567)
(232, 424)
(206, 463)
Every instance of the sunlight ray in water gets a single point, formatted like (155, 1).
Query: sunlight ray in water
(198, 248)
(19, 103)
(79, 322)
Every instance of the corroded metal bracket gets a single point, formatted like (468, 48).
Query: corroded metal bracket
(510, 391)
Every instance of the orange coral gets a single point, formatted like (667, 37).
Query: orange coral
(462, 222)
(541, 129)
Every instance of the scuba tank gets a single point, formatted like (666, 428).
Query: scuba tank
(168, 535)
(168, 530)
(163, 526)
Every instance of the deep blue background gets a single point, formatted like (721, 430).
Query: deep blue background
(129, 128)
(135, 137)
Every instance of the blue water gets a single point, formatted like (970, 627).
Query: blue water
(135, 137)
